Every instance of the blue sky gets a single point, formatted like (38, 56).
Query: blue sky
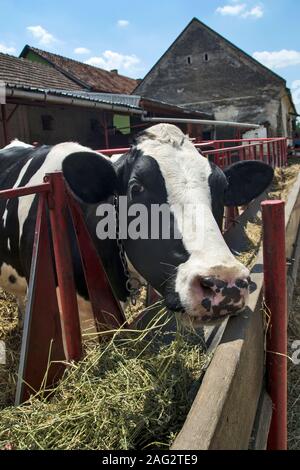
(132, 35)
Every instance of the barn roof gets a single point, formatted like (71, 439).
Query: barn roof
(86, 75)
(19, 71)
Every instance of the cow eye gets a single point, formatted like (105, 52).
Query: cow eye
(136, 189)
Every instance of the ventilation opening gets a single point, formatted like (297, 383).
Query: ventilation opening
(206, 57)
(189, 59)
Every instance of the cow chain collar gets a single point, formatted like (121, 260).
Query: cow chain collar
(133, 284)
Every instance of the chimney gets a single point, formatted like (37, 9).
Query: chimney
(115, 71)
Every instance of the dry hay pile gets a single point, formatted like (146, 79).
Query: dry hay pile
(131, 392)
(284, 178)
(10, 334)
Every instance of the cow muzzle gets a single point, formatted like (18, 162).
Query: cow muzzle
(210, 299)
(213, 299)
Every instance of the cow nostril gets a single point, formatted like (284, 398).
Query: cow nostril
(206, 303)
(207, 282)
(241, 283)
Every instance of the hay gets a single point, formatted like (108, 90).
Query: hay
(10, 334)
(132, 311)
(284, 178)
(131, 392)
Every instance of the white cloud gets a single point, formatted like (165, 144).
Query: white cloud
(38, 32)
(82, 50)
(278, 59)
(7, 49)
(123, 23)
(240, 9)
(255, 12)
(231, 10)
(114, 60)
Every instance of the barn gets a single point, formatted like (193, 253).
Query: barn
(203, 70)
(48, 104)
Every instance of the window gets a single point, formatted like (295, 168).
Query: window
(206, 57)
(47, 122)
(189, 59)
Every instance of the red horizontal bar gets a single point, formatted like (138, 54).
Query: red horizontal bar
(113, 151)
(258, 139)
(25, 190)
(110, 152)
(230, 149)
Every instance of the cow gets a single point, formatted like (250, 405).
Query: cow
(199, 278)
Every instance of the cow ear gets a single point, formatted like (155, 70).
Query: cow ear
(246, 180)
(90, 176)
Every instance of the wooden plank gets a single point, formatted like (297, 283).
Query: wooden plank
(292, 217)
(223, 412)
(293, 266)
(262, 423)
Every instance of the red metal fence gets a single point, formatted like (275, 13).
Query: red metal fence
(224, 152)
(51, 324)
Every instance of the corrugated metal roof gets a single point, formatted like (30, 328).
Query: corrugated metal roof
(128, 101)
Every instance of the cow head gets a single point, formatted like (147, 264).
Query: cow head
(195, 272)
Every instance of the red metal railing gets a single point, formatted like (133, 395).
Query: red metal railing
(224, 152)
(51, 323)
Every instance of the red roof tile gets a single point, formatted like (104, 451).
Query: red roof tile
(18, 71)
(92, 77)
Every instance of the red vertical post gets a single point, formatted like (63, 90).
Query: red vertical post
(230, 216)
(275, 155)
(59, 215)
(276, 302)
(261, 151)
(217, 159)
(4, 123)
(105, 132)
(269, 154)
(254, 153)
(282, 152)
(285, 146)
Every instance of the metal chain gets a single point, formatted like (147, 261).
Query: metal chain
(133, 284)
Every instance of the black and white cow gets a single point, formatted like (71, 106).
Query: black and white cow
(204, 280)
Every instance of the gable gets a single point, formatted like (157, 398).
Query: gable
(202, 65)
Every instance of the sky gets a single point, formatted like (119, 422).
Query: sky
(132, 35)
